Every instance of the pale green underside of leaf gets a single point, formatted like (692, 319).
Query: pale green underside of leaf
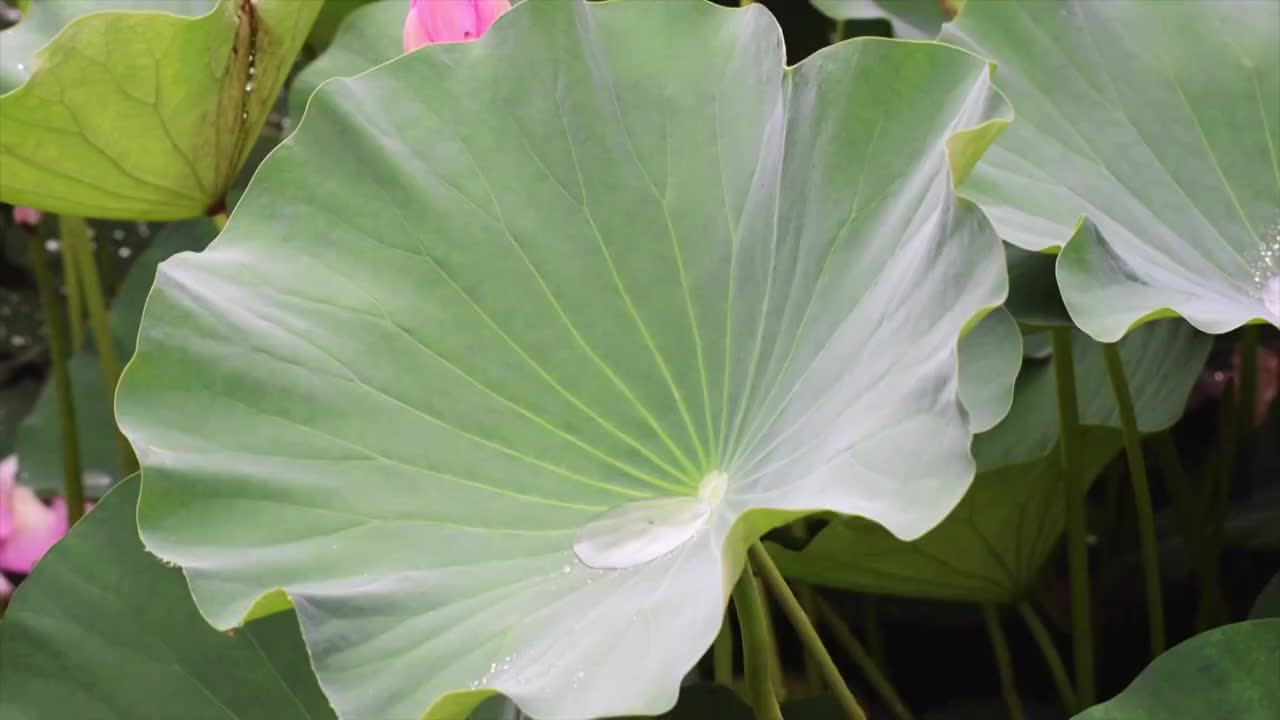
(1162, 128)
(1228, 672)
(675, 258)
(39, 437)
(991, 547)
(102, 629)
(139, 115)
(911, 19)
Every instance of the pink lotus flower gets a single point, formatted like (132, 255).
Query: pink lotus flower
(28, 527)
(442, 21)
(29, 217)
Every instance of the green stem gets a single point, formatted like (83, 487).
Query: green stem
(809, 638)
(219, 220)
(722, 655)
(1141, 497)
(1004, 662)
(75, 303)
(1186, 510)
(1073, 483)
(837, 33)
(875, 632)
(72, 474)
(755, 647)
(775, 657)
(75, 234)
(1051, 657)
(809, 601)
(879, 682)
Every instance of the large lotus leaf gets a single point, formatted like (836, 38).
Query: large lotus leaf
(139, 115)
(102, 629)
(535, 378)
(911, 19)
(1162, 127)
(991, 547)
(1229, 672)
(39, 440)
(371, 35)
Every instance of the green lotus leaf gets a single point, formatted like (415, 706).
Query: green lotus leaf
(139, 115)
(1228, 672)
(574, 313)
(371, 35)
(990, 355)
(991, 547)
(102, 629)
(911, 19)
(1163, 130)
(39, 437)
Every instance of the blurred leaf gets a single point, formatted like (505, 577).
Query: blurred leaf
(1268, 603)
(102, 629)
(468, 429)
(1159, 124)
(372, 35)
(333, 14)
(139, 115)
(991, 547)
(1231, 672)
(15, 402)
(39, 442)
(705, 702)
(911, 19)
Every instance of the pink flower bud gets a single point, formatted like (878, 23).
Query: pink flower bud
(28, 527)
(29, 217)
(441, 21)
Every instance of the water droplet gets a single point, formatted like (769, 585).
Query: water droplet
(19, 340)
(125, 251)
(244, 115)
(566, 569)
(52, 245)
(252, 70)
(117, 234)
(248, 87)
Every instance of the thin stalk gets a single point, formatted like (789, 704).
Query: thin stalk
(1220, 472)
(809, 601)
(755, 647)
(775, 657)
(837, 33)
(1049, 650)
(55, 329)
(809, 638)
(1186, 511)
(875, 632)
(1141, 498)
(1004, 662)
(75, 234)
(722, 654)
(219, 219)
(870, 670)
(1073, 482)
(75, 303)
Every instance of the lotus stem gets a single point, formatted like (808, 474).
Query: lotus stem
(878, 680)
(722, 654)
(1248, 378)
(755, 647)
(75, 234)
(75, 301)
(805, 630)
(1004, 662)
(1141, 498)
(72, 475)
(1190, 524)
(1074, 486)
(1051, 657)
